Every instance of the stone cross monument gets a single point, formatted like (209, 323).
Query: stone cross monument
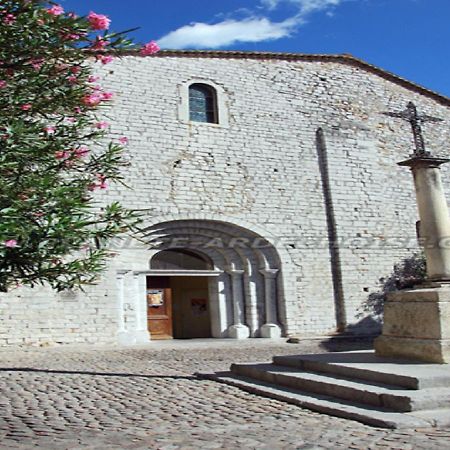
(411, 115)
(417, 321)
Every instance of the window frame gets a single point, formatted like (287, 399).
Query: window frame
(221, 103)
(209, 96)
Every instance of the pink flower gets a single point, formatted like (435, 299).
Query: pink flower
(149, 49)
(62, 154)
(2, 84)
(98, 21)
(77, 110)
(72, 15)
(37, 63)
(72, 79)
(123, 140)
(93, 79)
(55, 10)
(101, 125)
(71, 119)
(107, 95)
(9, 19)
(75, 69)
(26, 107)
(101, 183)
(71, 36)
(81, 152)
(10, 243)
(50, 130)
(92, 99)
(105, 59)
(99, 43)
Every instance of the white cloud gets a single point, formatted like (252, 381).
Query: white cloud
(228, 32)
(305, 6)
(270, 4)
(250, 29)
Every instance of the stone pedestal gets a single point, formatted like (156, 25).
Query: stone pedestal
(271, 331)
(417, 325)
(417, 321)
(239, 331)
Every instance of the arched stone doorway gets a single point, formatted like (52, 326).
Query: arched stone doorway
(178, 303)
(241, 270)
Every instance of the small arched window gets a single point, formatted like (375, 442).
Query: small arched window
(203, 103)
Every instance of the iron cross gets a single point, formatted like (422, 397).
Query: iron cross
(411, 115)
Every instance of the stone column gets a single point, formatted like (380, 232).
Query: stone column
(434, 216)
(417, 321)
(140, 334)
(238, 330)
(270, 329)
(218, 307)
(121, 331)
(251, 304)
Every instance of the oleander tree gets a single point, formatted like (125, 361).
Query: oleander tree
(54, 148)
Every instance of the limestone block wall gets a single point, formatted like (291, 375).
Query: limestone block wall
(38, 316)
(260, 168)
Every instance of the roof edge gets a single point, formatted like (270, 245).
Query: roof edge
(338, 58)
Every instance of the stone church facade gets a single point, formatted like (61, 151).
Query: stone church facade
(271, 199)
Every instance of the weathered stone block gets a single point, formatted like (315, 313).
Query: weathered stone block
(424, 320)
(427, 350)
(417, 326)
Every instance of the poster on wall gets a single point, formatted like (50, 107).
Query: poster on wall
(199, 306)
(155, 297)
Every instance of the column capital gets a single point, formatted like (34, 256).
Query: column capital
(121, 273)
(417, 162)
(235, 272)
(269, 273)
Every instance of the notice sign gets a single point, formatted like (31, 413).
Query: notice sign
(155, 297)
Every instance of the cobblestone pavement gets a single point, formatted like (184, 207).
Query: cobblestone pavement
(148, 398)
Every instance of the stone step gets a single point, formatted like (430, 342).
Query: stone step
(365, 365)
(369, 415)
(370, 393)
(438, 417)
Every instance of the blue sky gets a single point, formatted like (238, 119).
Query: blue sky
(408, 37)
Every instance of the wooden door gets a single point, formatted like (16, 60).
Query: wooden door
(159, 308)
